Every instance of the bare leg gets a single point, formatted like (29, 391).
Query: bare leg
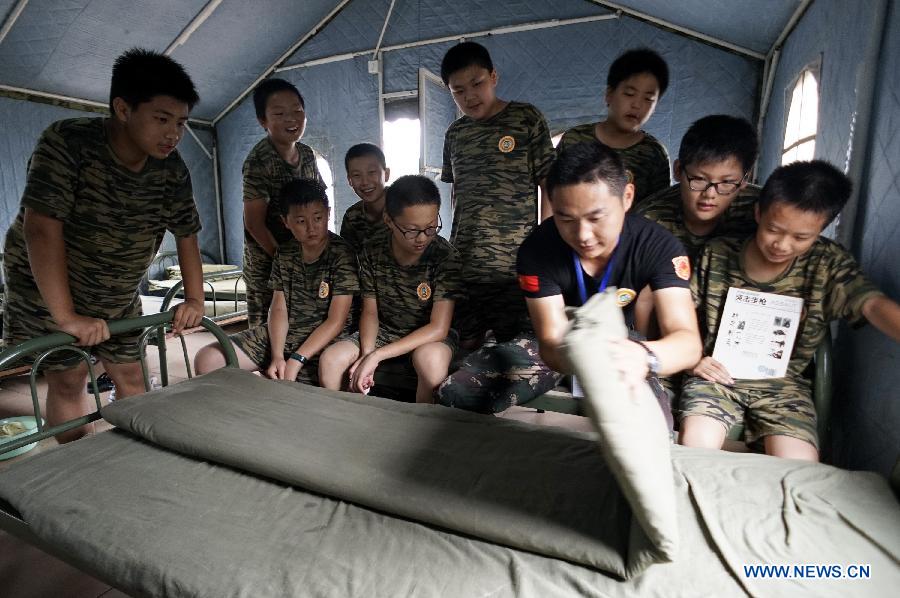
(334, 364)
(702, 432)
(211, 357)
(128, 377)
(431, 361)
(789, 447)
(67, 399)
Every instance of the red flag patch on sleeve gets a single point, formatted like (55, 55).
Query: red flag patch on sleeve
(682, 267)
(529, 283)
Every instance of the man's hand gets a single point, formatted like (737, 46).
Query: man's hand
(187, 315)
(277, 369)
(362, 373)
(88, 331)
(630, 360)
(712, 370)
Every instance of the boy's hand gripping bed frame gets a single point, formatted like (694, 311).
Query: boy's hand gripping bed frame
(232, 485)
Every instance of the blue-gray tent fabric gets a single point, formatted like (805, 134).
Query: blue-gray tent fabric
(835, 33)
(866, 427)
(342, 110)
(440, 112)
(21, 124)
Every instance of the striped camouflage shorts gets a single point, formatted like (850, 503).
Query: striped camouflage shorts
(254, 342)
(787, 411)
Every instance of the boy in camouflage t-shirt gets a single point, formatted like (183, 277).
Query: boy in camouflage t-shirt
(787, 257)
(272, 163)
(99, 196)
(367, 174)
(410, 280)
(313, 282)
(636, 81)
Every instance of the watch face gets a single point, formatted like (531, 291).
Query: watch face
(652, 363)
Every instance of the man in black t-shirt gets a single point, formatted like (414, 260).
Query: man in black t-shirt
(591, 243)
(590, 198)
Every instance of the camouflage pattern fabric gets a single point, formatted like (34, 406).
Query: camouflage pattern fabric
(827, 278)
(113, 223)
(495, 166)
(264, 174)
(255, 343)
(498, 376)
(666, 208)
(787, 411)
(646, 160)
(406, 294)
(357, 229)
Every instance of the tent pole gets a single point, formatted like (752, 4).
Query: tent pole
(195, 23)
(12, 18)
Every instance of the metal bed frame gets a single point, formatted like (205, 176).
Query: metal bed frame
(152, 325)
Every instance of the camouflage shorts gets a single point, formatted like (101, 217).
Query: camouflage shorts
(254, 342)
(498, 376)
(257, 272)
(497, 307)
(788, 411)
(23, 320)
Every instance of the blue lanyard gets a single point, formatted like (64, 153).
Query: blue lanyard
(579, 275)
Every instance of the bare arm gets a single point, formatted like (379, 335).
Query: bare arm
(328, 330)
(278, 329)
(679, 347)
(189, 313)
(884, 314)
(47, 256)
(368, 326)
(255, 223)
(548, 315)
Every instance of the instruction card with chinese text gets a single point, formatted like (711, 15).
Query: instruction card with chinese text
(756, 334)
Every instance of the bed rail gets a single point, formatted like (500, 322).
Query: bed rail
(208, 279)
(154, 324)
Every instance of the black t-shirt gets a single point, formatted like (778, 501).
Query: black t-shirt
(646, 254)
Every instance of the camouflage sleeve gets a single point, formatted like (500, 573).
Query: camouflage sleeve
(52, 176)
(448, 279)
(447, 168)
(847, 290)
(661, 174)
(699, 277)
(255, 178)
(541, 152)
(276, 281)
(344, 275)
(367, 285)
(184, 220)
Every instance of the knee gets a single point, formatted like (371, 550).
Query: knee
(208, 358)
(337, 358)
(68, 382)
(432, 360)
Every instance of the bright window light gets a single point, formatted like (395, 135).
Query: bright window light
(328, 178)
(803, 118)
(401, 146)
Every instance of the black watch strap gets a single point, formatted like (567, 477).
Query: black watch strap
(298, 357)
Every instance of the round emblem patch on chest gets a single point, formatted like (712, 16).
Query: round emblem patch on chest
(324, 289)
(507, 144)
(624, 297)
(423, 291)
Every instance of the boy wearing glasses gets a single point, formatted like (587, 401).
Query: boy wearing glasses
(410, 280)
(712, 197)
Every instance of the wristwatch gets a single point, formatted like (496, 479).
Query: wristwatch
(298, 357)
(652, 359)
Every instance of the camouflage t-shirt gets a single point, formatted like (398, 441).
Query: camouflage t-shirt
(308, 288)
(647, 160)
(406, 294)
(667, 209)
(495, 166)
(826, 277)
(265, 172)
(113, 219)
(357, 229)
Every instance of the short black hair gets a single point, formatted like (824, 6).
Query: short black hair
(635, 62)
(364, 149)
(814, 186)
(717, 138)
(464, 55)
(588, 162)
(139, 75)
(264, 91)
(300, 192)
(410, 190)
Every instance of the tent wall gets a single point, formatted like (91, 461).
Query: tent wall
(866, 413)
(21, 124)
(561, 70)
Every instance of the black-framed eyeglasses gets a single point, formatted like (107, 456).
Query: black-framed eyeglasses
(411, 234)
(698, 183)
